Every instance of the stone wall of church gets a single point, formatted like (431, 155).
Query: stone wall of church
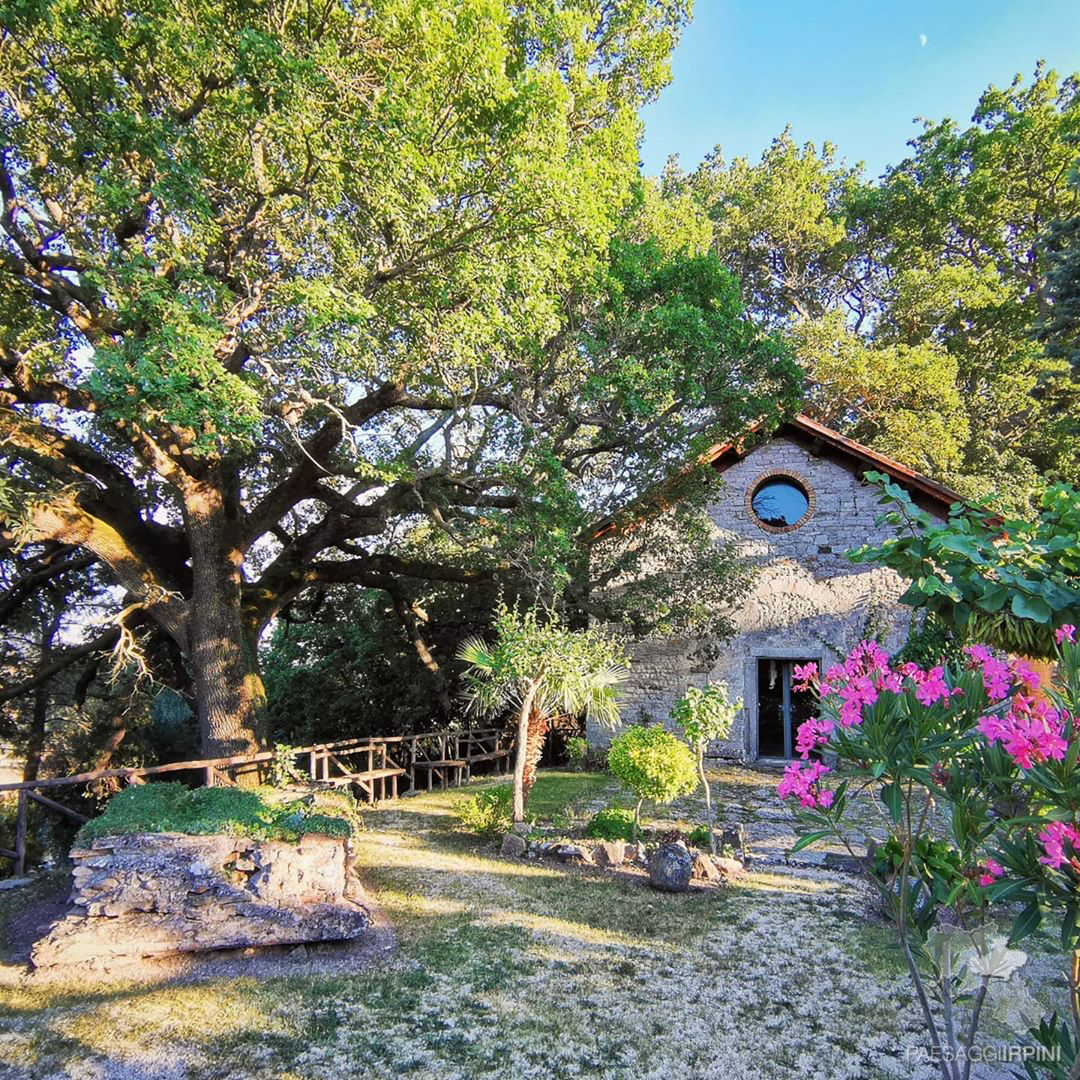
(808, 601)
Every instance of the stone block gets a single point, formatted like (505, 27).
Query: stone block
(704, 869)
(574, 853)
(610, 853)
(155, 894)
(513, 846)
(671, 867)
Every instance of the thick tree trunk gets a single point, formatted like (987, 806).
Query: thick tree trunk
(521, 757)
(229, 696)
(534, 748)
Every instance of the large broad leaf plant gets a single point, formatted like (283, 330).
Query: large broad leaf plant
(1005, 581)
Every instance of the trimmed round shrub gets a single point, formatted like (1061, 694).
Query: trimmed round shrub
(653, 764)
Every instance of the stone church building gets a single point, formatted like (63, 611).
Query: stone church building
(792, 506)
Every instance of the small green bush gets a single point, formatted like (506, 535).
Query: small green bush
(577, 749)
(653, 764)
(283, 770)
(488, 812)
(259, 813)
(612, 823)
(700, 836)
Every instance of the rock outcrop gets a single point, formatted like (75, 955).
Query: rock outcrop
(161, 893)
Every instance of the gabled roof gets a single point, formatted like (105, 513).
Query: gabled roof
(821, 441)
(816, 439)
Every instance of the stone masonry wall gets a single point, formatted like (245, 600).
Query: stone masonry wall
(808, 601)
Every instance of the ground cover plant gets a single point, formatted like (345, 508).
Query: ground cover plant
(259, 813)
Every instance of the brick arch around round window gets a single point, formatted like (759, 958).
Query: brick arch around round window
(780, 474)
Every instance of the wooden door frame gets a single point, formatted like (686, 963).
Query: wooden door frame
(753, 711)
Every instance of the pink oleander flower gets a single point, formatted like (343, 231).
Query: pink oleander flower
(802, 781)
(1064, 633)
(806, 676)
(1031, 732)
(860, 691)
(977, 655)
(997, 679)
(812, 734)
(835, 674)
(991, 870)
(931, 687)
(993, 728)
(1023, 671)
(890, 681)
(1053, 839)
(910, 670)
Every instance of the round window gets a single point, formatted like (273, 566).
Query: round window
(780, 502)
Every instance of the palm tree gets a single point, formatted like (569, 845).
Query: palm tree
(541, 670)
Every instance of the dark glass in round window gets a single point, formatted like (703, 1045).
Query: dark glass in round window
(780, 502)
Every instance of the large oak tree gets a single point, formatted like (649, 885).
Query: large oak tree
(297, 295)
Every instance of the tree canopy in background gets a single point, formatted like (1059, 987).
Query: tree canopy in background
(915, 302)
(324, 312)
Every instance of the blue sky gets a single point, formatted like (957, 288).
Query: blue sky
(856, 74)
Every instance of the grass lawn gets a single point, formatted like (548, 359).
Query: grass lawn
(512, 969)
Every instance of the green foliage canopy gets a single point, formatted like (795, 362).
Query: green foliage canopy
(653, 763)
(560, 671)
(704, 714)
(914, 302)
(297, 297)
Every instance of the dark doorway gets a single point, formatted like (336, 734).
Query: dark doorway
(780, 712)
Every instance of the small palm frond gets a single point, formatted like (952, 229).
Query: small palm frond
(476, 652)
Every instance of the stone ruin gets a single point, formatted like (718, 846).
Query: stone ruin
(156, 894)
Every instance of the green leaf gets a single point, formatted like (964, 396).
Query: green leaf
(1027, 922)
(993, 598)
(893, 798)
(1034, 608)
(1068, 926)
(809, 838)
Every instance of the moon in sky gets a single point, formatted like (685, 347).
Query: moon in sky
(922, 40)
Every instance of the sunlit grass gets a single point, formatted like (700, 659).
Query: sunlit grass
(514, 968)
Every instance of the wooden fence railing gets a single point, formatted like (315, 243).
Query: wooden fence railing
(378, 768)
